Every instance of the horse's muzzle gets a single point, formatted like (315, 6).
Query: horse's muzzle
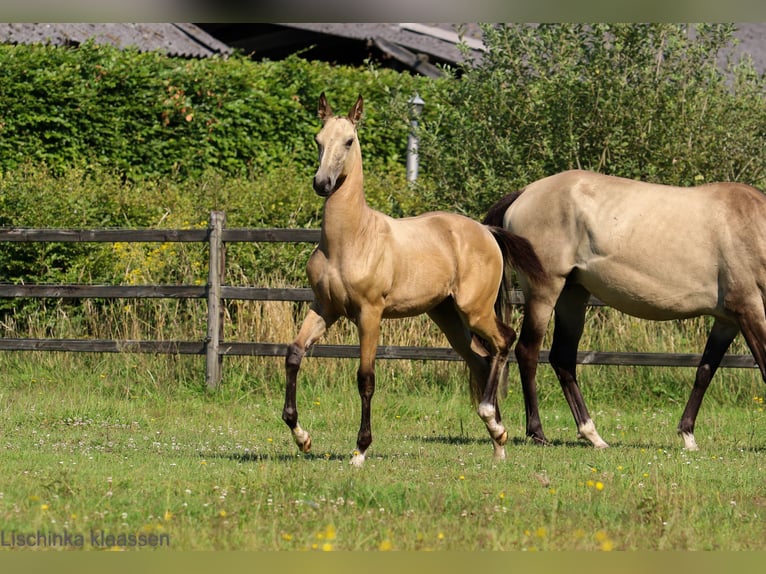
(325, 187)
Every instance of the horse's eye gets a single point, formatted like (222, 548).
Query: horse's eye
(350, 142)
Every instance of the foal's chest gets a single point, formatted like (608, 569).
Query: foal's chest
(337, 286)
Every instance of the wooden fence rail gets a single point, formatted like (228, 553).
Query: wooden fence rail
(215, 291)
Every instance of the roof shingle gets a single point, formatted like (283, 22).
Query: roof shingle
(174, 39)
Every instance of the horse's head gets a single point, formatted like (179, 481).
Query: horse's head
(338, 146)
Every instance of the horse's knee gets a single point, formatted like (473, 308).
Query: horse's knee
(365, 381)
(525, 354)
(564, 365)
(293, 357)
(508, 334)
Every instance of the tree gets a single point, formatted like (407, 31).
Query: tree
(657, 102)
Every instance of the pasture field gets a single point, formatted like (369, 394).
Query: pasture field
(132, 452)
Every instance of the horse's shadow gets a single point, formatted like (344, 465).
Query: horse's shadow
(246, 457)
(252, 457)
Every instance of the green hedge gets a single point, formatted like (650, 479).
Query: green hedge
(148, 115)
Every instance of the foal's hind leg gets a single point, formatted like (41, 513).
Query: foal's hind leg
(489, 408)
(477, 358)
(313, 327)
(718, 341)
(499, 337)
(569, 323)
(486, 370)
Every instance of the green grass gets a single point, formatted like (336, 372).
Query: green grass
(135, 445)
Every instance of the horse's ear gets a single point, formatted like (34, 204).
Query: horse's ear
(324, 110)
(356, 112)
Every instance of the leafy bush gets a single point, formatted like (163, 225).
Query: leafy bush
(149, 115)
(645, 101)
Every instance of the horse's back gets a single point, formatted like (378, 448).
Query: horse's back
(614, 212)
(450, 234)
(656, 251)
(445, 252)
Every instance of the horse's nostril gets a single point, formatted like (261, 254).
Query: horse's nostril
(321, 187)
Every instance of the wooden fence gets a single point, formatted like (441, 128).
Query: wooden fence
(215, 292)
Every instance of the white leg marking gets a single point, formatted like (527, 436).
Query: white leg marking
(486, 412)
(689, 442)
(302, 439)
(588, 430)
(496, 430)
(358, 459)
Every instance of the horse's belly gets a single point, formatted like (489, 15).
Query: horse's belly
(410, 306)
(650, 297)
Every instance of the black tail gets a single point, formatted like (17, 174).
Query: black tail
(496, 213)
(518, 253)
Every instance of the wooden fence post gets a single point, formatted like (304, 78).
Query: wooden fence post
(216, 266)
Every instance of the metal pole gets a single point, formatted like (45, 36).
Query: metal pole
(416, 108)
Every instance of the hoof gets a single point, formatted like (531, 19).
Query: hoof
(689, 442)
(503, 438)
(588, 431)
(539, 440)
(302, 439)
(357, 460)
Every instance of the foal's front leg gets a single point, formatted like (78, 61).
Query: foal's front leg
(369, 331)
(313, 327)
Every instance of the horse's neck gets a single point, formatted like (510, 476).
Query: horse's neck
(346, 214)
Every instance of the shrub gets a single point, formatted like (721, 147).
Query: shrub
(645, 101)
(149, 115)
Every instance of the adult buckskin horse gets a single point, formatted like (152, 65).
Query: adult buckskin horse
(369, 266)
(654, 251)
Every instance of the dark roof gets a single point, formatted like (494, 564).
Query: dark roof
(419, 48)
(174, 39)
(415, 47)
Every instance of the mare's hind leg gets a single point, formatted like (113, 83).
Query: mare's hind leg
(569, 323)
(486, 370)
(313, 327)
(718, 341)
(537, 314)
